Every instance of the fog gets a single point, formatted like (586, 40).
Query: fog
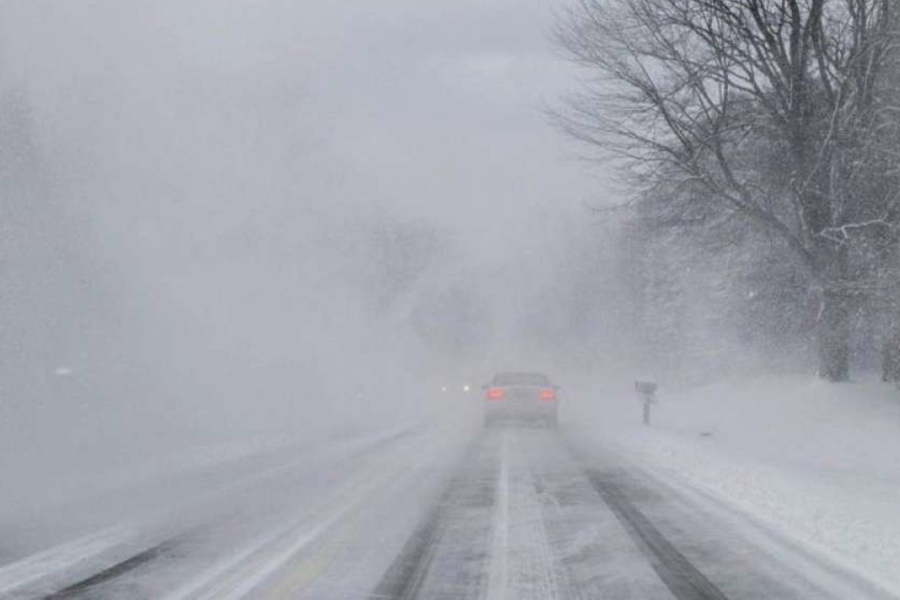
(262, 261)
(233, 219)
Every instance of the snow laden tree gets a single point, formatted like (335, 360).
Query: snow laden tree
(889, 250)
(778, 113)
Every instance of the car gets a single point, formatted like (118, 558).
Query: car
(521, 396)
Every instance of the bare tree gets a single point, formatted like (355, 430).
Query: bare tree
(774, 111)
(890, 290)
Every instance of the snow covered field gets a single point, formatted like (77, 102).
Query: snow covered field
(815, 462)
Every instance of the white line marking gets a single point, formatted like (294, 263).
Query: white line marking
(236, 577)
(498, 577)
(216, 583)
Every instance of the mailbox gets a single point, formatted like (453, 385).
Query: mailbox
(646, 391)
(645, 387)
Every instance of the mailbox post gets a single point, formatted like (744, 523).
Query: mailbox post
(646, 392)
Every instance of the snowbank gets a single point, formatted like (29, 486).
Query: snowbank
(816, 462)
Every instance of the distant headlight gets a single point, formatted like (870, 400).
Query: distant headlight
(466, 388)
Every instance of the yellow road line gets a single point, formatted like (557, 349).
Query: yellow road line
(307, 571)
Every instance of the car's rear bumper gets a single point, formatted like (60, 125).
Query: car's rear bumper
(521, 411)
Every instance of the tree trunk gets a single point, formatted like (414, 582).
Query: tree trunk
(890, 364)
(834, 336)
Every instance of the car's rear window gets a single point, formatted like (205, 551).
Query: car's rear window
(521, 379)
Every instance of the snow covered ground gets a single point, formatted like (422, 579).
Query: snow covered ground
(238, 534)
(122, 512)
(817, 463)
(778, 487)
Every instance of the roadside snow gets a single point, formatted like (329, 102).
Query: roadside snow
(817, 463)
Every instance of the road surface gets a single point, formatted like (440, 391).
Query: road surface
(508, 513)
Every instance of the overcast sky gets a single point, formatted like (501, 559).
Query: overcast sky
(221, 159)
(439, 104)
(432, 108)
(214, 168)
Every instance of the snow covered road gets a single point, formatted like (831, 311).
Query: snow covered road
(508, 513)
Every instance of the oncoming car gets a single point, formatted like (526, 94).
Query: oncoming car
(521, 396)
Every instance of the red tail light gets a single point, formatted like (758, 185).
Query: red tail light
(548, 394)
(495, 394)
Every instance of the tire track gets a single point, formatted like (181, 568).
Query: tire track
(404, 578)
(426, 566)
(691, 549)
(117, 570)
(674, 569)
(682, 578)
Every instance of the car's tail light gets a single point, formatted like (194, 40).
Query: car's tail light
(548, 394)
(495, 394)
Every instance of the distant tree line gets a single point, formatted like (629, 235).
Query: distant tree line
(768, 132)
